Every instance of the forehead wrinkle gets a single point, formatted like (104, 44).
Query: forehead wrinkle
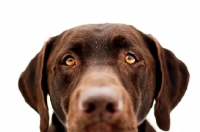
(77, 38)
(123, 41)
(129, 33)
(77, 33)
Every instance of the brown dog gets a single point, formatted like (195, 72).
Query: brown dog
(103, 78)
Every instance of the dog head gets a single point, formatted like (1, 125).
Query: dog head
(104, 77)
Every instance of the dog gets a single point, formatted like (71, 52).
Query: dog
(103, 78)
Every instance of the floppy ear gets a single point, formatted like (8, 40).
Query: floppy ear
(172, 80)
(33, 86)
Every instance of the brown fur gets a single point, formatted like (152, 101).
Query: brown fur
(99, 52)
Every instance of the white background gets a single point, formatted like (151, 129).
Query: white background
(26, 25)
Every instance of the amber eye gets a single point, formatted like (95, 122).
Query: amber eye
(130, 59)
(69, 61)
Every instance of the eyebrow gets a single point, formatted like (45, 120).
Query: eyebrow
(122, 41)
(76, 47)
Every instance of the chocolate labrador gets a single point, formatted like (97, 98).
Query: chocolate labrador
(103, 78)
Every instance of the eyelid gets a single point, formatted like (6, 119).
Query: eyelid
(134, 55)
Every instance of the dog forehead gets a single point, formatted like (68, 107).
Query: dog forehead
(103, 27)
(104, 34)
(98, 38)
(97, 31)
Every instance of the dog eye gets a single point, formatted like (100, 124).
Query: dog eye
(130, 59)
(69, 61)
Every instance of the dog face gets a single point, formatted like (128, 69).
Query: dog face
(104, 78)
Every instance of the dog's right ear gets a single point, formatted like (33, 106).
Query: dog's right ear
(33, 86)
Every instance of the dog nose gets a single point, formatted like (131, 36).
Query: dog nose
(100, 101)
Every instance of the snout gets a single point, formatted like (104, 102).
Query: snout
(100, 103)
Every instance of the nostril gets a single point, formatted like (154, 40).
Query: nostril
(100, 100)
(111, 107)
(90, 107)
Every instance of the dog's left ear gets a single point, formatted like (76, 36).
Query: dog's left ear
(172, 79)
(33, 85)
